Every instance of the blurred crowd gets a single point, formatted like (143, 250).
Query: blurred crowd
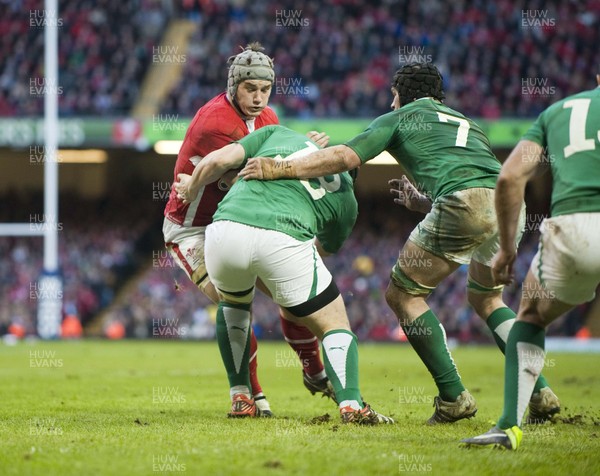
(336, 59)
(121, 274)
(333, 59)
(95, 261)
(105, 48)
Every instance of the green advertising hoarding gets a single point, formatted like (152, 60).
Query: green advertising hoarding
(141, 135)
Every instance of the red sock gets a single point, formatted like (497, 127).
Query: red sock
(253, 366)
(305, 344)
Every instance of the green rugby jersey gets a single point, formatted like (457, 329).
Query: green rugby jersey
(324, 207)
(569, 130)
(442, 150)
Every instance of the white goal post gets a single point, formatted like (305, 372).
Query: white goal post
(49, 289)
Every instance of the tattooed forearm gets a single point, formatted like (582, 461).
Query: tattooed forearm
(284, 169)
(323, 162)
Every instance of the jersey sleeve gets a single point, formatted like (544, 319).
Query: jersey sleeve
(270, 117)
(537, 132)
(376, 138)
(333, 235)
(253, 141)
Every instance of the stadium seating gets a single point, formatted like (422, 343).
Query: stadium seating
(336, 60)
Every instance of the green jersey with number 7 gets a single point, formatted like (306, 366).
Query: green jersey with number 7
(572, 151)
(441, 150)
(324, 207)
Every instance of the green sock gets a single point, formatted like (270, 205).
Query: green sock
(340, 352)
(428, 337)
(524, 362)
(500, 322)
(233, 336)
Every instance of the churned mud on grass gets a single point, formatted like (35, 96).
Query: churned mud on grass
(320, 419)
(571, 419)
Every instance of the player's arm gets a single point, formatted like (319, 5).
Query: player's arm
(340, 158)
(213, 166)
(330, 161)
(523, 163)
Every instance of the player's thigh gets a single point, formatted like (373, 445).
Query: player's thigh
(186, 246)
(328, 318)
(423, 266)
(481, 274)
(291, 270)
(229, 248)
(567, 264)
(539, 305)
(490, 245)
(482, 291)
(262, 288)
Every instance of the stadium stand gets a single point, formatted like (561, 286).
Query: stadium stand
(339, 67)
(105, 49)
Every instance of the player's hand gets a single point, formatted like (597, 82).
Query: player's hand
(227, 180)
(319, 138)
(408, 195)
(260, 168)
(183, 189)
(502, 266)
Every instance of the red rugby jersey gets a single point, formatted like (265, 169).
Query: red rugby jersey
(215, 125)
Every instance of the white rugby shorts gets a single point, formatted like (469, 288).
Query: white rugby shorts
(568, 259)
(186, 246)
(236, 254)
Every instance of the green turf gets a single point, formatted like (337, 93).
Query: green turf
(133, 408)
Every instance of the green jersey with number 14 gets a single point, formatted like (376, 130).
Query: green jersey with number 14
(442, 150)
(324, 207)
(569, 130)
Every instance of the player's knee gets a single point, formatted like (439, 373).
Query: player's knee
(529, 312)
(403, 292)
(484, 299)
(405, 285)
(400, 301)
(393, 296)
(485, 304)
(209, 290)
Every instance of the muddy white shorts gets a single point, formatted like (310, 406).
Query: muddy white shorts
(462, 227)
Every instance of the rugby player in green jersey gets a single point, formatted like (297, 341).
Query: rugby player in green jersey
(565, 271)
(450, 160)
(276, 231)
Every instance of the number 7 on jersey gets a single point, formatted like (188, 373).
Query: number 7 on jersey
(463, 128)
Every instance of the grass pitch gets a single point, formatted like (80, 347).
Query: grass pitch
(148, 408)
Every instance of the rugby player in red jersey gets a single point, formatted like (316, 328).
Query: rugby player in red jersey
(228, 117)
